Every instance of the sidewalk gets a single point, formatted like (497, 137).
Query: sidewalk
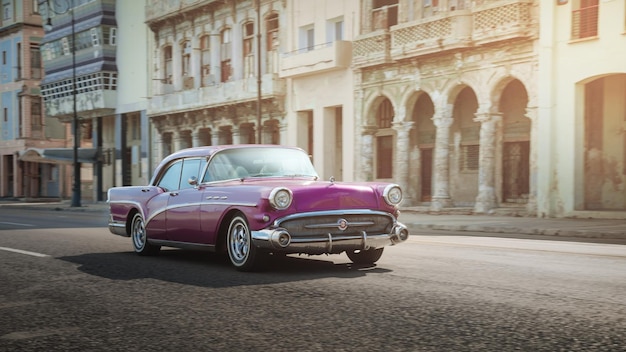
(419, 221)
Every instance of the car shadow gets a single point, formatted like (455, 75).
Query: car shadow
(213, 270)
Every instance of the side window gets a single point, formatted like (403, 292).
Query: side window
(191, 168)
(171, 178)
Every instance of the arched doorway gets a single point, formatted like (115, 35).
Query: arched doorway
(465, 141)
(422, 143)
(605, 147)
(515, 144)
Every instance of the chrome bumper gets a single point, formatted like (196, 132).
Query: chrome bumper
(118, 229)
(279, 239)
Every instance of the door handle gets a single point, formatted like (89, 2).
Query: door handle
(145, 189)
(173, 194)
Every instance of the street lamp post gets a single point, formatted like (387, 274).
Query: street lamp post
(75, 125)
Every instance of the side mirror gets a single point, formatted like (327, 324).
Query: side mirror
(193, 180)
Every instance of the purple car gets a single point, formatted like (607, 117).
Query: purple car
(253, 200)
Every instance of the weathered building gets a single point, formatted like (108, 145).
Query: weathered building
(446, 100)
(215, 73)
(80, 82)
(23, 125)
(581, 130)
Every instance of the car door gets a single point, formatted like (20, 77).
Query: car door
(183, 207)
(156, 215)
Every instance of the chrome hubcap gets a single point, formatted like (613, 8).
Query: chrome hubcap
(239, 242)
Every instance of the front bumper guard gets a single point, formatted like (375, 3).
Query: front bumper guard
(279, 239)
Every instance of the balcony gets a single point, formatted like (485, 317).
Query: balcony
(227, 93)
(503, 21)
(440, 33)
(89, 104)
(371, 49)
(326, 57)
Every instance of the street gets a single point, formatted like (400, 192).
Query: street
(67, 284)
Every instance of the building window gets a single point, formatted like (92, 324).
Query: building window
(4, 57)
(35, 62)
(95, 38)
(272, 32)
(469, 157)
(18, 50)
(186, 58)
(226, 52)
(6, 114)
(112, 36)
(585, 20)
(6, 10)
(35, 112)
(248, 49)
(334, 30)
(205, 61)
(272, 28)
(35, 5)
(307, 38)
(167, 68)
(384, 14)
(384, 141)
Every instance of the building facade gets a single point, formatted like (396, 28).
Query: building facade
(216, 75)
(24, 125)
(316, 63)
(581, 133)
(446, 100)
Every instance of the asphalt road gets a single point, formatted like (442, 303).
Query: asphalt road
(67, 284)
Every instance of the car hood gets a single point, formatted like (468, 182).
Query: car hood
(309, 195)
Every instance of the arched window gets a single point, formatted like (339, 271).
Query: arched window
(186, 58)
(226, 53)
(167, 64)
(248, 49)
(272, 27)
(208, 78)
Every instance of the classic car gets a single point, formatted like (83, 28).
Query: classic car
(254, 200)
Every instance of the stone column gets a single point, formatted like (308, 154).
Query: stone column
(486, 199)
(367, 153)
(401, 166)
(215, 136)
(283, 132)
(236, 135)
(216, 52)
(531, 206)
(177, 140)
(195, 138)
(441, 175)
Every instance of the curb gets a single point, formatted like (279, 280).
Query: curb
(518, 230)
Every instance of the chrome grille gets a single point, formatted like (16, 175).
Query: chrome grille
(322, 225)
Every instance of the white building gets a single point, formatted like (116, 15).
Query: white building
(581, 132)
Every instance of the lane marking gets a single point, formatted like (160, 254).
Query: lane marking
(15, 223)
(34, 254)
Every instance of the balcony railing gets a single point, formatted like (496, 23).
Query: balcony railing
(371, 49)
(488, 23)
(503, 20)
(225, 93)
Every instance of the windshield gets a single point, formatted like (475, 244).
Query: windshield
(258, 162)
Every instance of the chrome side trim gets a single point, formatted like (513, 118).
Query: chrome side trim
(183, 245)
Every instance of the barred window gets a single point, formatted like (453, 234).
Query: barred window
(84, 84)
(469, 157)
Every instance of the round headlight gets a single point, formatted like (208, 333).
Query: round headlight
(280, 198)
(392, 194)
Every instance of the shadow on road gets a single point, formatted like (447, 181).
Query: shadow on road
(212, 270)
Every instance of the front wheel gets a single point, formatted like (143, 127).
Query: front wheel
(140, 238)
(241, 251)
(369, 256)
